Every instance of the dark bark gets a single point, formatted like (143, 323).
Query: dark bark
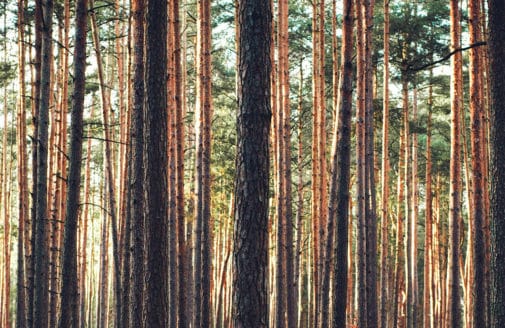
(137, 193)
(497, 72)
(40, 252)
(250, 255)
(370, 194)
(156, 164)
(341, 172)
(126, 240)
(69, 292)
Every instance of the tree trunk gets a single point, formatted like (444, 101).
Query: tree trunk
(35, 80)
(360, 165)
(41, 292)
(137, 193)
(21, 301)
(341, 171)
(385, 177)
(370, 193)
(180, 98)
(398, 307)
(454, 314)
(202, 185)
(497, 88)
(156, 163)
(108, 136)
(428, 295)
(250, 302)
(70, 295)
(85, 218)
(478, 144)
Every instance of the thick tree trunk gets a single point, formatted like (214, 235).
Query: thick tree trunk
(137, 194)
(250, 255)
(70, 295)
(497, 88)
(340, 173)
(156, 163)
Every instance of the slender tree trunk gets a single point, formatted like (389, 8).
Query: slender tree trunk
(21, 300)
(183, 282)
(497, 71)
(399, 308)
(103, 281)
(414, 207)
(316, 163)
(203, 135)
(428, 294)
(70, 294)
(454, 312)
(250, 303)
(41, 292)
(6, 320)
(360, 165)
(108, 136)
(285, 288)
(385, 177)
(478, 144)
(172, 193)
(298, 267)
(370, 193)
(85, 218)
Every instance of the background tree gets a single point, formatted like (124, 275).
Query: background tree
(70, 295)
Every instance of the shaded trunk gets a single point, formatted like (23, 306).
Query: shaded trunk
(497, 88)
(250, 302)
(137, 184)
(340, 173)
(156, 163)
